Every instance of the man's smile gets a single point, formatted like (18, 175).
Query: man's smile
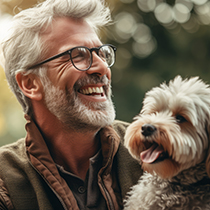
(93, 93)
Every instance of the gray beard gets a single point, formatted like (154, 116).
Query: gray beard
(73, 113)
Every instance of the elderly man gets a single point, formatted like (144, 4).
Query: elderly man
(72, 156)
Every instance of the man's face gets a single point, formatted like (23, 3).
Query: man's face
(80, 99)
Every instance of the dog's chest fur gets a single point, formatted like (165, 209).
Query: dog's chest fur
(190, 190)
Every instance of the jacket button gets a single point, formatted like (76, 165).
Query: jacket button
(81, 189)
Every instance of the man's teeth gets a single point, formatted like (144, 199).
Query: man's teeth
(91, 90)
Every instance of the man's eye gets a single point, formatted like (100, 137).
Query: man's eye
(78, 58)
(79, 55)
(180, 119)
(65, 57)
(103, 54)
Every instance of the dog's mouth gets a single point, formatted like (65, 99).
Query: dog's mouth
(153, 154)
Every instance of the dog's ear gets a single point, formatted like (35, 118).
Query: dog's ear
(208, 162)
(208, 152)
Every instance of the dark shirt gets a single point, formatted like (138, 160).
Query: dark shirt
(87, 193)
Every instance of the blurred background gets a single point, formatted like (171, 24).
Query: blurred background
(156, 40)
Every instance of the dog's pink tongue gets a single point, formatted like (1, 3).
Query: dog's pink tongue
(151, 154)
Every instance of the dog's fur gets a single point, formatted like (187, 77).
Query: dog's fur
(177, 118)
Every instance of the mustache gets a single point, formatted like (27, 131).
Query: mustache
(91, 79)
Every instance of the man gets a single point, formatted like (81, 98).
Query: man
(71, 158)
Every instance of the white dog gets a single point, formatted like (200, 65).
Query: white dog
(170, 138)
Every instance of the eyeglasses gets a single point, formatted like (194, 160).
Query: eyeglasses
(81, 57)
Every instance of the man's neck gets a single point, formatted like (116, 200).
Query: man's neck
(69, 148)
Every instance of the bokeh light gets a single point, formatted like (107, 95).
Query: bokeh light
(164, 13)
(125, 26)
(127, 1)
(199, 2)
(146, 5)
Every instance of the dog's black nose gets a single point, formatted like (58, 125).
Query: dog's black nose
(148, 129)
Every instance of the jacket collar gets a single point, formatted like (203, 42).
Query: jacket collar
(37, 148)
(43, 163)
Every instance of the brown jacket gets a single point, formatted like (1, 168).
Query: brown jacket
(29, 179)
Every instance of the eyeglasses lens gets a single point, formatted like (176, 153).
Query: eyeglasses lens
(81, 58)
(107, 54)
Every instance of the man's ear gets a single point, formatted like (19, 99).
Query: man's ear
(30, 85)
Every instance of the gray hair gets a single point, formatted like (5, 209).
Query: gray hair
(23, 46)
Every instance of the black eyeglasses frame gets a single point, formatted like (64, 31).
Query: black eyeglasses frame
(96, 49)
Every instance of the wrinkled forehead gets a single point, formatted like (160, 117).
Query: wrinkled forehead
(65, 30)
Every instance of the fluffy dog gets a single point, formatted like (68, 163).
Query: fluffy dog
(170, 138)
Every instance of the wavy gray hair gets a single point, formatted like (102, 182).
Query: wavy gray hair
(23, 47)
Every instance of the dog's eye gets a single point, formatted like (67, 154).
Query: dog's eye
(180, 119)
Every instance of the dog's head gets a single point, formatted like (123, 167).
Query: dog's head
(171, 132)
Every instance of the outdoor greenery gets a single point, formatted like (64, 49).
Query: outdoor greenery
(156, 41)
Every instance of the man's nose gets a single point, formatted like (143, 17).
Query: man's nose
(99, 67)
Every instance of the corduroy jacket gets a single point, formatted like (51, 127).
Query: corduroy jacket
(29, 179)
